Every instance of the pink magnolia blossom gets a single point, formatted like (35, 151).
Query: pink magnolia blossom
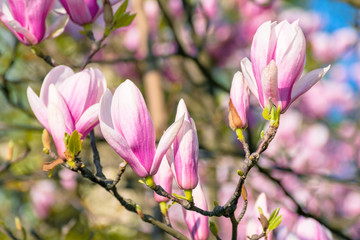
(26, 18)
(239, 102)
(68, 101)
(42, 196)
(197, 223)
(308, 229)
(277, 62)
(126, 125)
(164, 178)
(81, 11)
(184, 154)
(329, 47)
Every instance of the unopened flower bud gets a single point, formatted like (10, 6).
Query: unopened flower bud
(239, 102)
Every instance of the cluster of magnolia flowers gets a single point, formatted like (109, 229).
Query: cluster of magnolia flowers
(79, 101)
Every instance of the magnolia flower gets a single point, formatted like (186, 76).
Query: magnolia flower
(81, 11)
(197, 223)
(26, 18)
(239, 102)
(68, 101)
(277, 62)
(126, 125)
(184, 154)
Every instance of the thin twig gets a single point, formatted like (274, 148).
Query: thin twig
(8, 164)
(96, 156)
(36, 235)
(243, 211)
(85, 172)
(300, 209)
(122, 168)
(95, 49)
(8, 232)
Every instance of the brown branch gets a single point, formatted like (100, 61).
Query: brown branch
(235, 224)
(7, 232)
(95, 49)
(8, 164)
(243, 211)
(110, 187)
(96, 156)
(205, 70)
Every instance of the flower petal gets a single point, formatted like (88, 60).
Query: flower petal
(262, 48)
(270, 84)
(77, 93)
(165, 143)
(57, 99)
(246, 69)
(88, 120)
(115, 139)
(306, 82)
(132, 119)
(38, 107)
(289, 58)
(36, 11)
(57, 128)
(78, 11)
(56, 76)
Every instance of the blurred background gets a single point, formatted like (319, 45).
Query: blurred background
(191, 49)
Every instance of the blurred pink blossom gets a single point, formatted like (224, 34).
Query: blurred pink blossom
(329, 47)
(68, 179)
(309, 21)
(43, 198)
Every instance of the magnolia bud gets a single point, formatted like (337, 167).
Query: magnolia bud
(239, 102)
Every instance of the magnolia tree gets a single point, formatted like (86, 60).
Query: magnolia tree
(209, 158)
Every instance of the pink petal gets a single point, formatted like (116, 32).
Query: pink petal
(132, 119)
(38, 107)
(77, 93)
(306, 82)
(88, 120)
(115, 139)
(78, 11)
(289, 58)
(165, 143)
(18, 10)
(182, 111)
(57, 99)
(36, 11)
(262, 48)
(246, 69)
(270, 83)
(57, 127)
(56, 76)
